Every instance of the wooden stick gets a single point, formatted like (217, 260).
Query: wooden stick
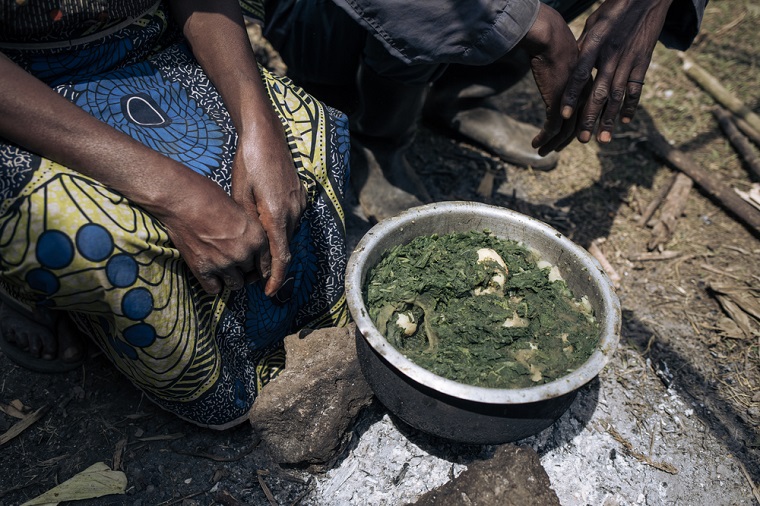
(655, 203)
(747, 130)
(672, 208)
(596, 252)
(712, 186)
(712, 86)
(738, 141)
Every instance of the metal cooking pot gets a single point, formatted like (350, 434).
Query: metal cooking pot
(453, 410)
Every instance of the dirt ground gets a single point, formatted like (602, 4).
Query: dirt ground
(675, 330)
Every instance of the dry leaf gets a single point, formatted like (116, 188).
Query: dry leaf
(98, 480)
(729, 328)
(740, 303)
(12, 410)
(745, 297)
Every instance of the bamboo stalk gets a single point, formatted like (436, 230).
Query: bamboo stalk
(738, 141)
(723, 96)
(747, 130)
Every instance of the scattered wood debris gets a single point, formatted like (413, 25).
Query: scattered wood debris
(737, 140)
(708, 182)
(24, 423)
(752, 196)
(741, 304)
(654, 256)
(719, 93)
(673, 206)
(662, 466)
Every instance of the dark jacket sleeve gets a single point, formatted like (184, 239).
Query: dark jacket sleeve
(682, 24)
(473, 32)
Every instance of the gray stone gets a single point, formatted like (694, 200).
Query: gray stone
(304, 414)
(512, 477)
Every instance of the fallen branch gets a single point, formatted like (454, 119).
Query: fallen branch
(737, 140)
(596, 252)
(716, 90)
(712, 186)
(672, 208)
(747, 130)
(655, 203)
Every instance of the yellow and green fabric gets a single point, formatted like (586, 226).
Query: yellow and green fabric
(70, 244)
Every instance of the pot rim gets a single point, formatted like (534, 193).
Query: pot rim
(610, 329)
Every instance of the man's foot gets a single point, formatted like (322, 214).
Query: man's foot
(384, 182)
(43, 341)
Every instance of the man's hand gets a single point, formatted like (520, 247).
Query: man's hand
(553, 55)
(618, 40)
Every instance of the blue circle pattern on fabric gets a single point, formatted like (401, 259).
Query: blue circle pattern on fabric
(268, 321)
(54, 249)
(122, 348)
(94, 242)
(43, 281)
(176, 125)
(121, 270)
(139, 335)
(137, 303)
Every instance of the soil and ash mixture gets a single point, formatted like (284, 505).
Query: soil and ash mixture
(672, 420)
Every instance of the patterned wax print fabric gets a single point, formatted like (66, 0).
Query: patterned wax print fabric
(70, 244)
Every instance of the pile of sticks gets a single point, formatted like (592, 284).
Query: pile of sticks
(742, 128)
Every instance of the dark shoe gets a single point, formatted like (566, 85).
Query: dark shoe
(378, 196)
(382, 129)
(501, 135)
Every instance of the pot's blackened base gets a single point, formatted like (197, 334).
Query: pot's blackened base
(452, 418)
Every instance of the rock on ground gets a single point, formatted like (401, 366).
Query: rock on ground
(512, 477)
(303, 415)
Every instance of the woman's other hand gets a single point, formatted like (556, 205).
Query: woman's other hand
(265, 183)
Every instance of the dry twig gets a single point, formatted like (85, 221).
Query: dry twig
(22, 425)
(260, 474)
(596, 252)
(672, 208)
(662, 466)
(655, 203)
(737, 140)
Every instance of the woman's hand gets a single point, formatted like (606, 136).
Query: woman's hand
(221, 243)
(618, 40)
(265, 183)
(553, 55)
